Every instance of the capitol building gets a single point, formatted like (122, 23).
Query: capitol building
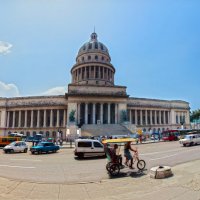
(93, 105)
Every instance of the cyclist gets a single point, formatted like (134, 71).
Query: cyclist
(127, 154)
(115, 156)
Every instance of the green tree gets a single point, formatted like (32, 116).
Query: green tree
(194, 115)
(72, 116)
(124, 117)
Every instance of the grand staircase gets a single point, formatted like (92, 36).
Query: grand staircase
(104, 130)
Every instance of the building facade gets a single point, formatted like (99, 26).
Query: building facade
(92, 102)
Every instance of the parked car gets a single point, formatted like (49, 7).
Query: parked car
(88, 147)
(17, 146)
(190, 140)
(44, 147)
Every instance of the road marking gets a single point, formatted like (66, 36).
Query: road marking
(26, 160)
(13, 166)
(163, 157)
(159, 152)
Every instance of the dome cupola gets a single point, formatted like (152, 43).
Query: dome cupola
(93, 64)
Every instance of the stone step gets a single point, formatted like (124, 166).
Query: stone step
(104, 130)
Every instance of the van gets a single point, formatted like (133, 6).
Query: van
(88, 147)
(190, 140)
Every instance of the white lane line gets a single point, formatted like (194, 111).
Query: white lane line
(163, 157)
(13, 166)
(159, 152)
(26, 160)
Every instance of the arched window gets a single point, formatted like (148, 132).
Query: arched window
(89, 57)
(96, 57)
(82, 58)
(102, 58)
(84, 47)
(96, 45)
(102, 47)
(90, 46)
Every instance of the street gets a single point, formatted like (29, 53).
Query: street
(62, 167)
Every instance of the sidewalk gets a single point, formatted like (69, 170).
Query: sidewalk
(184, 185)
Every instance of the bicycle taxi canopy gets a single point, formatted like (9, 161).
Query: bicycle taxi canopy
(118, 140)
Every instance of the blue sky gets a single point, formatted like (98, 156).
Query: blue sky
(154, 45)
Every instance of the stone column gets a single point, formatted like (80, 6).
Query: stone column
(13, 122)
(8, 119)
(99, 72)
(94, 113)
(81, 73)
(86, 113)
(78, 112)
(19, 121)
(58, 118)
(45, 119)
(141, 118)
(150, 117)
(108, 113)
(94, 72)
(169, 119)
(25, 123)
(130, 116)
(107, 75)
(64, 118)
(160, 116)
(155, 117)
(38, 118)
(101, 114)
(164, 119)
(136, 119)
(31, 118)
(51, 118)
(116, 113)
(146, 120)
(103, 73)
(90, 69)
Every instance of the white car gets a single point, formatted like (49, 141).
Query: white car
(190, 140)
(18, 146)
(88, 147)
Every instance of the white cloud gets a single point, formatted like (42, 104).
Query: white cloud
(5, 47)
(56, 91)
(8, 90)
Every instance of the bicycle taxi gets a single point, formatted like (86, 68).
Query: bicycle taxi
(114, 164)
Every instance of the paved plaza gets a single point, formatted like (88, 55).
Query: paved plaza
(184, 185)
(60, 176)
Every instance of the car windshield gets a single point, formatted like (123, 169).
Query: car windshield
(188, 137)
(13, 143)
(40, 144)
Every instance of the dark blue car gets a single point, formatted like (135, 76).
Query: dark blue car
(44, 147)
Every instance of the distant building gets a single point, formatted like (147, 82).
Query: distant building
(93, 102)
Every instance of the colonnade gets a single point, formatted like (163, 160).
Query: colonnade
(155, 117)
(36, 118)
(149, 117)
(97, 113)
(180, 117)
(93, 72)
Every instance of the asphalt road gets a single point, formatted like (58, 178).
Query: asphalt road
(62, 167)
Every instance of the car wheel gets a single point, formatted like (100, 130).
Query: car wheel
(39, 152)
(184, 145)
(25, 150)
(11, 151)
(5, 151)
(32, 152)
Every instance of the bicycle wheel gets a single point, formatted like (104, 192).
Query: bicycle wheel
(114, 169)
(108, 166)
(141, 164)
